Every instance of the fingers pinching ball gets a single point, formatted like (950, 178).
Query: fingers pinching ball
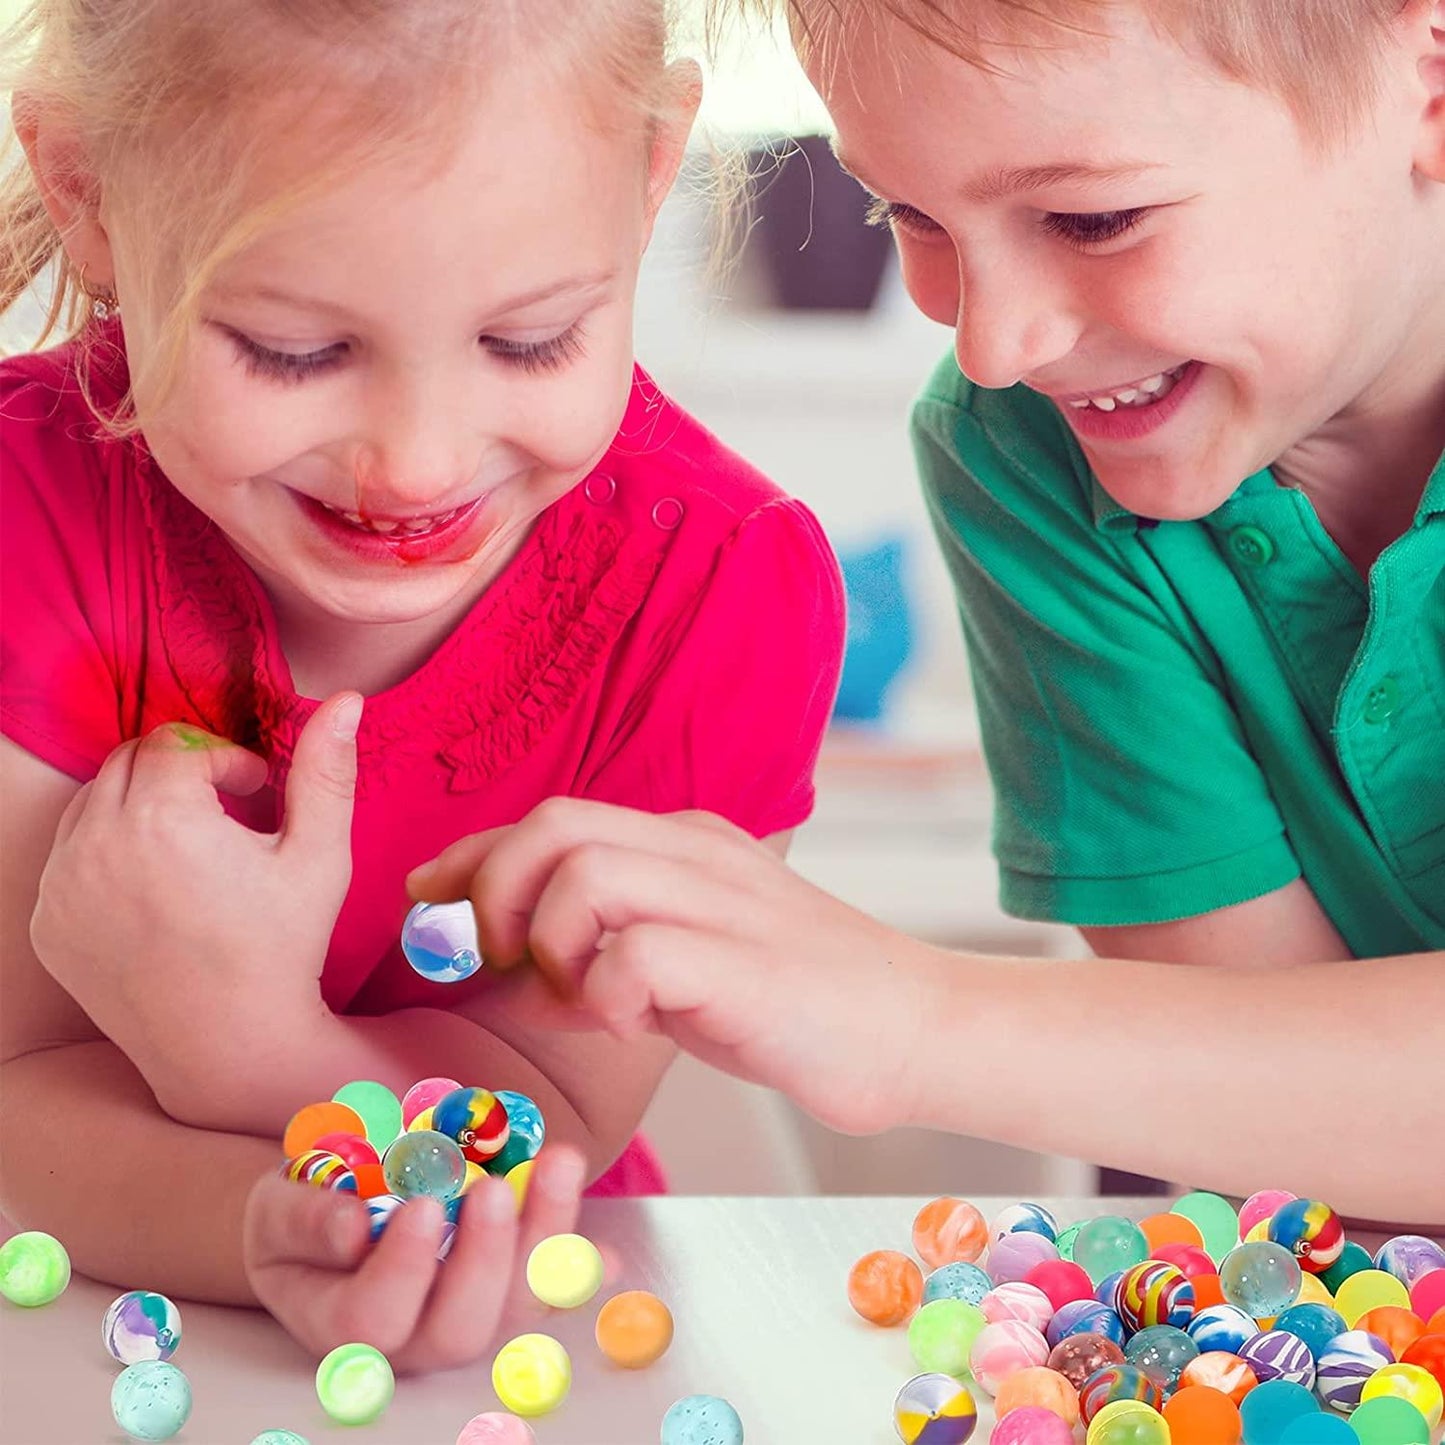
(34, 1269)
(141, 1325)
(354, 1384)
(439, 940)
(701, 1420)
(151, 1400)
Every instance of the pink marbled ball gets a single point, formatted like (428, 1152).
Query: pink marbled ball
(1031, 1425)
(1002, 1350)
(495, 1428)
(1016, 1300)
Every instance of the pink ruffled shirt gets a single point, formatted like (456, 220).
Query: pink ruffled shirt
(669, 636)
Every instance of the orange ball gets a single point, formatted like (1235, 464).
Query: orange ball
(1041, 1386)
(1429, 1353)
(1435, 1325)
(634, 1329)
(885, 1287)
(315, 1120)
(1397, 1326)
(1207, 1291)
(1221, 1371)
(947, 1231)
(1199, 1415)
(370, 1180)
(1170, 1229)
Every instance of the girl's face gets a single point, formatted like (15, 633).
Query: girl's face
(1124, 229)
(384, 392)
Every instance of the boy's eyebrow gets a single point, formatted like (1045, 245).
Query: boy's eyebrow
(1013, 180)
(574, 285)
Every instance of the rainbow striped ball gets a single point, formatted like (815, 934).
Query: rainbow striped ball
(476, 1119)
(934, 1410)
(1279, 1355)
(1154, 1293)
(1344, 1366)
(1311, 1231)
(321, 1168)
(1117, 1382)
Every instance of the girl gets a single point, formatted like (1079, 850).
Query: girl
(351, 413)
(1185, 464)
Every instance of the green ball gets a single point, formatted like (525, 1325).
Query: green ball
(279, 1437)
(941, 1335)
(379, 1108)
(355, 1384)
(1065, 1242)
(1353, 1258)
(34, 1269)
(1388, 1420)
(1216, 1218)
(1108, 1244)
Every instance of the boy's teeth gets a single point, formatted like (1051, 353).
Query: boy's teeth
(1146, 393)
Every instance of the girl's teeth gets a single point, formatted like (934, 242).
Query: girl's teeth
(386, 528)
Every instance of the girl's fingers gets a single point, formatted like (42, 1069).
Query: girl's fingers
(290, 1223)
(598, 890)
(74, 812)
(183, 762)
(553, 1202)
(470, 1291)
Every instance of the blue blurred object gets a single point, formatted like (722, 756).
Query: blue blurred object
(880, 627)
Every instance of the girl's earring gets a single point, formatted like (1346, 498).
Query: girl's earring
(103, 301)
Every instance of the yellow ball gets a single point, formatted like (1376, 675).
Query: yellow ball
(1314, 1291)
(422, 1120)
(565, 1271)
(474, 1172)
(1368, 1290)
(1140, 1416)
(531, 1375)
(519, 1176)
(1408, 1382)
(1259, 1232)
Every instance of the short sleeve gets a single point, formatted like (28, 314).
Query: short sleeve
(732, 718)
(1125, 790)
(59, 698)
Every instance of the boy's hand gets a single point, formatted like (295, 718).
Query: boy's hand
(310, 1263)
(177, 928)
(686, 926)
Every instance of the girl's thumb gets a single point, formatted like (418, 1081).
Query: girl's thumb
(321, 787)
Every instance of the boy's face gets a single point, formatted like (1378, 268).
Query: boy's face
(1237, 288)
(383, 393)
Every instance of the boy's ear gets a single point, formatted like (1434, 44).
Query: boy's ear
(670, 134)
(1430, 151)
(69, 190)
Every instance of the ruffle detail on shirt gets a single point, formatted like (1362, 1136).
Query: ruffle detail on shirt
(517, 662)
(546, 639)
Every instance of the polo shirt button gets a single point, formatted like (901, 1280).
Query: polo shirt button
(667, 513)
(599, 488)
(1252, 546)
(1382, 700)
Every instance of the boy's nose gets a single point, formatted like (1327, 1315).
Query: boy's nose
(1011, 324)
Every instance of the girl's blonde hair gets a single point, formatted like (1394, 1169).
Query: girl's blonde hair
(179, 112)
(1319, 56)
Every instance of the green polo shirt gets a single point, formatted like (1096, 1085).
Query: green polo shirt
(1179, 716)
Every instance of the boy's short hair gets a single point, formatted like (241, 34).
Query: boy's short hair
(1319, 56)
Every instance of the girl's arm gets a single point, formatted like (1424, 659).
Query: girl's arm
(1321, 1077)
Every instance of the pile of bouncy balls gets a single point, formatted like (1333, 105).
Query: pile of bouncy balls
(1198, 1326)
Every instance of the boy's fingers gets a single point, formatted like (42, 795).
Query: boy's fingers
(598, 890)
(321, 786)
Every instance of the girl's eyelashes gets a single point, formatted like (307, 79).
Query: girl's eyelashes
(1093, 228)
(534, 357)
(895, 213)
(538, 356)
(285, 366)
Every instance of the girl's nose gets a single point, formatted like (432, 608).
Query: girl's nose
(422, 447)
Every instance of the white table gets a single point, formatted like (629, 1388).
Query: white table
(757, 1287)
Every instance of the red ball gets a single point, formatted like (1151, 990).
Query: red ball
(1062, 1280)
(1429, 1353)
(350, 1147)
(1428, 1295)
(1188, 1258)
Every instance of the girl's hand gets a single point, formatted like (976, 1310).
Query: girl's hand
(685, 925)
(177, 928)
(310, 1262)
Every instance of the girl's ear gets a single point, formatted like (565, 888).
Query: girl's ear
(1430, 149)
(671, 129)
(69, 190)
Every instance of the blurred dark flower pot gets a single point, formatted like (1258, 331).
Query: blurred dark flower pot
(810, 239)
